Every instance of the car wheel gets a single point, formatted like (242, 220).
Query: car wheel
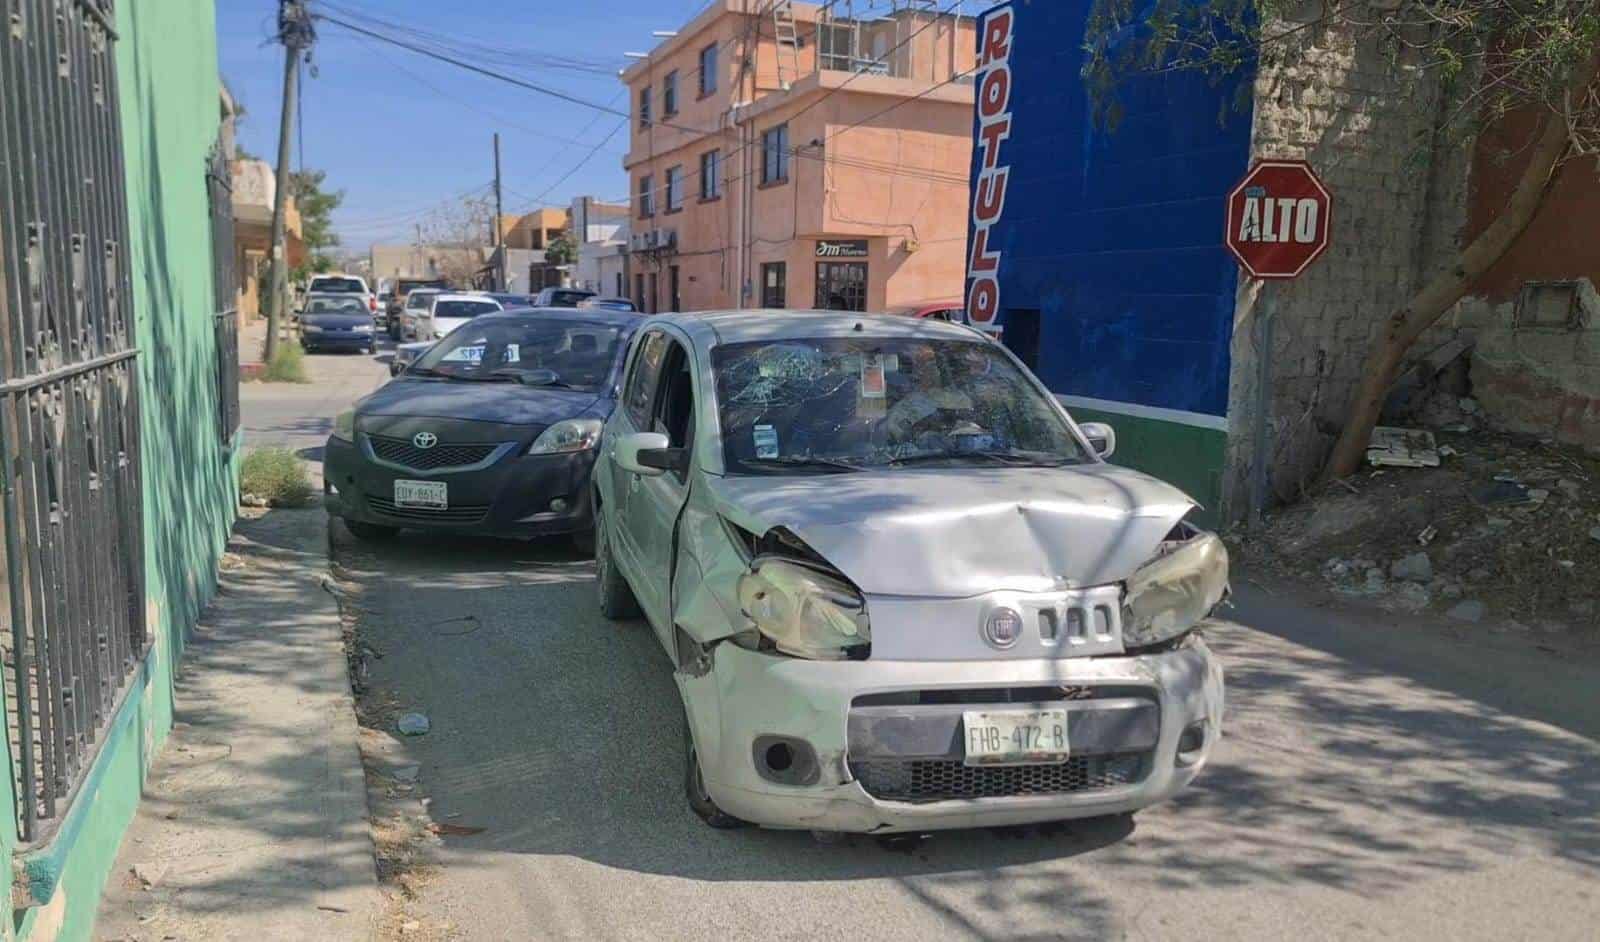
(362, 530)
(694, 787)
(617, 601)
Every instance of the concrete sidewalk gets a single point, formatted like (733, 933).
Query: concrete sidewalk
(254, 820)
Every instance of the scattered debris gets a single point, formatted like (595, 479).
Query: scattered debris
(1595, 534)
(413, 724)
(1570, 489)
(333, 909)
(149, 874)
(1411, 597)
(454, 830)
(1403, 448)
(1469, 611)
(254, 500)
(1427, 535)
(1445, 451)
(1416, 567)
(1503, 492)
(406, 773)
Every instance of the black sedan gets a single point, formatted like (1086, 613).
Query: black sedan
(492, 431)
(335, 322)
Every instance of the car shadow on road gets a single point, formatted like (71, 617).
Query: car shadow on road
(560, 734)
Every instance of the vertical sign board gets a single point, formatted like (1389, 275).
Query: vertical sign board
(995, 32)
(1279, 217)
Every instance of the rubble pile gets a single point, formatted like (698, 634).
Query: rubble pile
(1503, 528)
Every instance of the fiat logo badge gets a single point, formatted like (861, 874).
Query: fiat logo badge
(424, 440)
(1002, 627)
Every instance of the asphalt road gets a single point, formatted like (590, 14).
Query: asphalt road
(1375, 779)
(300, 415)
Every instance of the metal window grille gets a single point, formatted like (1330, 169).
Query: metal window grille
(73, 594)
(225, 284)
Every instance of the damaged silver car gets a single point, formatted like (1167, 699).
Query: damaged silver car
(901, 589)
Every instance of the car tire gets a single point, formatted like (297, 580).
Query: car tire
(370, 532)
(617, 601)
(694, 787)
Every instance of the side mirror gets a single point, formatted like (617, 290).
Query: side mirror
(1102, 438)
(640, 452)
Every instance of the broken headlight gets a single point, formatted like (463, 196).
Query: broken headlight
(1171, 594)
(804, 611)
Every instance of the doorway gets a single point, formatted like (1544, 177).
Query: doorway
(841, 286)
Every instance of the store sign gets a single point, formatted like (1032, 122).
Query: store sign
(841, 248)
(989, 190)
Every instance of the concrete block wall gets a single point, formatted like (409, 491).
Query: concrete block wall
(1369, 132)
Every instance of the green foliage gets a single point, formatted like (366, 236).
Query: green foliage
(277, 475)
(288, 365)
(562, 250)
(1490, 56)
(316, 217)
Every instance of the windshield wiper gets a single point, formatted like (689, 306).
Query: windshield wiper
(533, 377)
(830, 465)
(1020, 459)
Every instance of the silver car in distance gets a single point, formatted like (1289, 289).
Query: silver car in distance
(899, 587)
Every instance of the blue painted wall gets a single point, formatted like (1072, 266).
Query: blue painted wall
(1116, 236)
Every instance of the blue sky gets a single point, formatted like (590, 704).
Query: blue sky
(399, 133)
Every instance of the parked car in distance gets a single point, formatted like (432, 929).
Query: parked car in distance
(491, 431)
(899, 587)
(405, 354)
(509, 301)
(415, 310)
(610, 304)
(335, 322)
(343, 284)
(448, 311)
(561, 297)
(942, 309)
(403, 287)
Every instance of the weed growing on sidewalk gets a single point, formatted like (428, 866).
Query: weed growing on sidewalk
(276, 476)
(288, 365)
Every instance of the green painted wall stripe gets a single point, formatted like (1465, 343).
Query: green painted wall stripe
(1177, 416)
(1185, 456)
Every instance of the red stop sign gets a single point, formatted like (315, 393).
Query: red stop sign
(1278, 219)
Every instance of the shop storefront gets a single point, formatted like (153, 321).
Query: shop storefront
(842, 272)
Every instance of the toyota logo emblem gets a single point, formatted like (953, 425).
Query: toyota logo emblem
(424, 440)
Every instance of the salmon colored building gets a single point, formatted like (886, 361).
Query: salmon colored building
(789, 155)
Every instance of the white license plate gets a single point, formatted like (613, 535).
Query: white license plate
(420, 494)
(1015, 737)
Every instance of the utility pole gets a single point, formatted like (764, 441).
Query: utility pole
(296, 34)
(499, 239)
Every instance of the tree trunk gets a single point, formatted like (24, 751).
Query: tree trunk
(1440, 293)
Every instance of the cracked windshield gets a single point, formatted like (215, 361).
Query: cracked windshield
(849, 404)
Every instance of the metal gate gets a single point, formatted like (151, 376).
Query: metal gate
(69, 415)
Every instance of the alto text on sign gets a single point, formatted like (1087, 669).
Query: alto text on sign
(1279, 218)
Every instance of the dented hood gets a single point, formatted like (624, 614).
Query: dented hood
(962, 532)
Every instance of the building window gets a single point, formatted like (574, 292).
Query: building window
(711, 174)
(621, 293)
(674, 189)
(708, 70)
(775, 155)
(774, 284)
(669, 94)
(647, 206)
(644, 107)
(655, 294)
(842, 286)
(672, 288)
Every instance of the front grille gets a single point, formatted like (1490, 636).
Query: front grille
(466, 513)
(402, 452)
(944, 779)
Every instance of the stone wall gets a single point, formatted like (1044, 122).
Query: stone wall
(1369, 131)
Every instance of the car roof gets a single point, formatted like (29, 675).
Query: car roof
(709, 328)
(457, 296)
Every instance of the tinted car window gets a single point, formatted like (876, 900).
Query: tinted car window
(334, 306)
(876, 401)
(580, 354)
(338, 285)
(566, 298)
(642, 379)
(462, 309)
(418, 300)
